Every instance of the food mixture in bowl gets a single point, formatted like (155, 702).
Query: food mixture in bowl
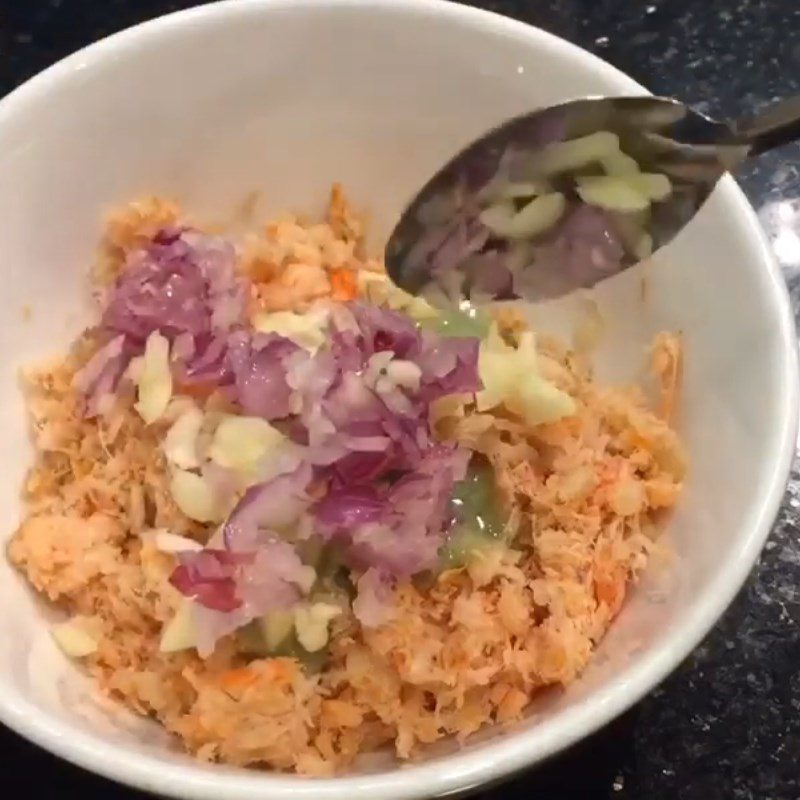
(296, 514)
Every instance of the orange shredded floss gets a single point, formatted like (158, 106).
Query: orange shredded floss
(343, 284)
(473, 648)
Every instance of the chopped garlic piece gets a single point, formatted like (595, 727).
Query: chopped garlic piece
(134, 370)
(499, 217)
(511, 377)
(180, 443)
(654, 186)
(180, 632)
(73, 639)
(494, 359)
(307, 330)
(405, 374)
(538, 401)
(578, 153)
(168, 542)
(611, 193)
(276, 627)
(376, 367)
(538, 216)
(155, 380)
(373, 285)
(179, 404)
(311, 624)
(378, 289)
(194, 497)
(240, 443)
(306, 579)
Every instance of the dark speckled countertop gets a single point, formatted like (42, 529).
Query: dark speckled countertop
(726, 725)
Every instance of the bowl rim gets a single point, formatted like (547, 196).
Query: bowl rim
(492, 761)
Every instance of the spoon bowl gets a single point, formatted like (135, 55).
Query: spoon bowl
(439, 242)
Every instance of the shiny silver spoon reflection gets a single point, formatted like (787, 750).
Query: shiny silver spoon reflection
(440, 239)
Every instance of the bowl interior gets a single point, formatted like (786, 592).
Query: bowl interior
(285, 98)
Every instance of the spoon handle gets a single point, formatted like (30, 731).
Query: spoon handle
(778, 124)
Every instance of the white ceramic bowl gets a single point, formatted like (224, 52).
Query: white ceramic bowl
(288, 96)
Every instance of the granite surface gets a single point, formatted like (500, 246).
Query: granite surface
(726, 725)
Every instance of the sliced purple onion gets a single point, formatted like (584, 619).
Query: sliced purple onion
(270, 506)
(259, 363)
(349, 506)
(183, 285)
(232, 589)
(360, 433)
(583, 248)
(209, 576)
(399, 527)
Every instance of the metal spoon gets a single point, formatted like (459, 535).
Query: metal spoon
(434, 249)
